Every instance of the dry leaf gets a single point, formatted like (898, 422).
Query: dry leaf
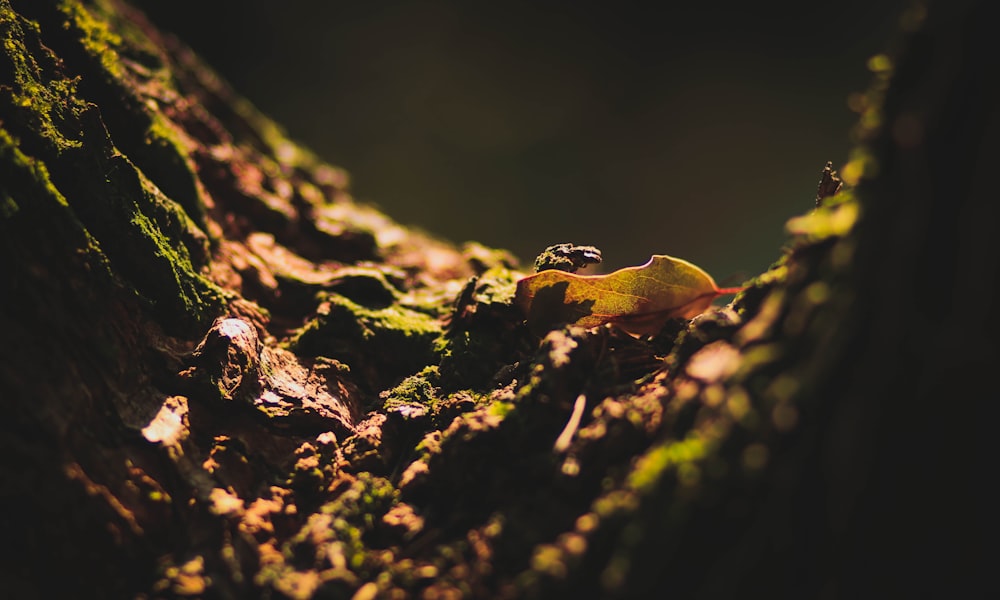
(637, 299)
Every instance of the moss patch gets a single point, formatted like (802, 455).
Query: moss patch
(382, 345)
(148, 239)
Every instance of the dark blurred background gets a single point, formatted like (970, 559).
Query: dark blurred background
(693, 129)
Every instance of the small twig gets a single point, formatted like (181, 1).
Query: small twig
(564, 439)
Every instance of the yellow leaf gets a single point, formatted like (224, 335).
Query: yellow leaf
(637, 299)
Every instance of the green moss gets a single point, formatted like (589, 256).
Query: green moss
(151, 253)
(500, 408)
(165, 158)
(8, 207)
(148, 239)
(95, 34)
(834, 219)
(484, 333)
(348, 519)
(140, 128)
(41, 98)
(331, 547)
(380, 344)
(776, 274)
(173, 220)
(366, 286)
(419, 389)
(26, 186)
(614, 503)
(671, 454)
(497, 286)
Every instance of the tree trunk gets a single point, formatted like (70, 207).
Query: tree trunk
(223, 377)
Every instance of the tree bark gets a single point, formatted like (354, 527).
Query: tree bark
(224, 377)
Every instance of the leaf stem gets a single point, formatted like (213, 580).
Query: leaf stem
(729, 290)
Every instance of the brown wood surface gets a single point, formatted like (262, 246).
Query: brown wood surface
(221, 376)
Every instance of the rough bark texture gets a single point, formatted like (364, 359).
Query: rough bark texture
(223, 377)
